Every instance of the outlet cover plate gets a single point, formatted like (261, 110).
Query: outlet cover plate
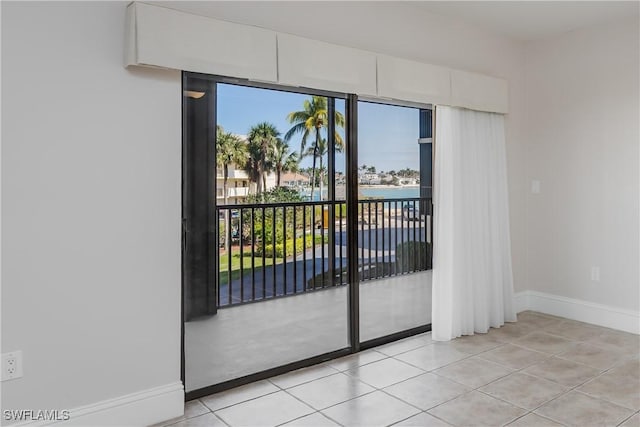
(11, 365)
(535, 186)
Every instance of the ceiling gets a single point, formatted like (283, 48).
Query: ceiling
(531, 20)
(519, 20)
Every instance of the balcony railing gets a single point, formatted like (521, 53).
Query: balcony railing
(279, 249)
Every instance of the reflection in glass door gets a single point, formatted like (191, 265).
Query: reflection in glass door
(394, 219)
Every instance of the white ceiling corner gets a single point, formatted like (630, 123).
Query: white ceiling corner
(531, 20)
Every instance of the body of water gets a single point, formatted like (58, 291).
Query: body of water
(390, 192)
(377, 193)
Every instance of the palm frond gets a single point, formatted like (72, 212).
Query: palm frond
(297, 128)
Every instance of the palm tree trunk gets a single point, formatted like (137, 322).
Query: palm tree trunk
(320, 175)
(227, 232)
(278, 175)
(313, 168)
(259, 181)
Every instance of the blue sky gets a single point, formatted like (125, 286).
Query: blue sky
(387, 134)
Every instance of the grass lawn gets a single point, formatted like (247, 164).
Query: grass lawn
(235, 264)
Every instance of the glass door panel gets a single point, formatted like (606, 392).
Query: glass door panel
(393, 222)
(279, 293)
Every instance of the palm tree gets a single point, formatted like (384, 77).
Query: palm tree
(230, 149)
(261, 140)
(252, 166)
(311, 120)
(319, 153)
(282, 159)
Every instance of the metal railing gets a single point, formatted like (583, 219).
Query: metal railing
(277, 249)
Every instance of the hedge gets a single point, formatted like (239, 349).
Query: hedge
(268, 251)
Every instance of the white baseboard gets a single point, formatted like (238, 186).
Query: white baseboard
(521, 301)
(582, 311)
(137, 409)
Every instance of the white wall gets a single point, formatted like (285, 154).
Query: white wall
(583, 145)
(91, 158)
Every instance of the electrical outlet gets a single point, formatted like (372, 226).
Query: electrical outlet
(595, 274)
(535, 186)
(11, 365)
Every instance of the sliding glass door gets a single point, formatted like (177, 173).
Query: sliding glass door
(297, 247)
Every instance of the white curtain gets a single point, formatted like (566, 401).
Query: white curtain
(472, 276)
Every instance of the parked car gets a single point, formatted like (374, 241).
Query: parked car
(234, 214)
(410, 213)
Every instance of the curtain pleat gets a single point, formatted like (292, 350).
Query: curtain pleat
(472, 274)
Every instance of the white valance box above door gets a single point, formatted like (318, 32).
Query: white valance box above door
(161, 37)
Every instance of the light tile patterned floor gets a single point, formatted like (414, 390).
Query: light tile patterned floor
(540, 371)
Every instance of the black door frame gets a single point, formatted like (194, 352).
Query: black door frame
(207, 83)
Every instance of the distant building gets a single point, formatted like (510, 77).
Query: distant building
(239, 186)
(409, 181)
(369, 178)
(294, 180)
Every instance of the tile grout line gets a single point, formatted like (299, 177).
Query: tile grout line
(304, 382)
(307, 415)
(401, 400)
(348, 400)
(405, 351)
(177, 420)
(430, 370)
(306, 404)
(629, 417)
(364, 364)
(173, 423)
(421, 412)
(238, 403)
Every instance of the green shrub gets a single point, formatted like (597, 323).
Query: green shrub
(299, 243)
(411, 256)
(275, 195)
